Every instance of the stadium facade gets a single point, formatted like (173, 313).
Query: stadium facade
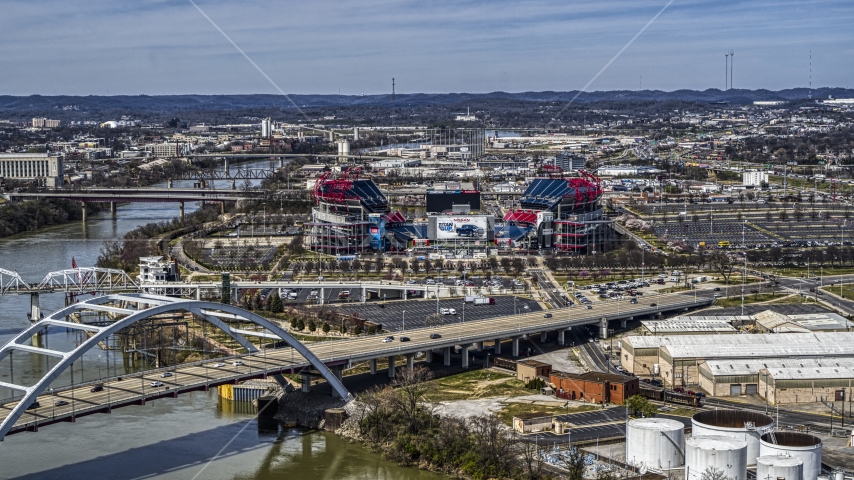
(349, 216)
(565, 213)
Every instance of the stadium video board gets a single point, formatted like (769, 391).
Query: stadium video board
(444, 200)
(461, 227)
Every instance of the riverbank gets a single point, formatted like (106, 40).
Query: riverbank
(31, 215)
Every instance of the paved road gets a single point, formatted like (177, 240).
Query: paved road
(394, 316)
(187, 377)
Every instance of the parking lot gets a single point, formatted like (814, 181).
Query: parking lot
(391, 316)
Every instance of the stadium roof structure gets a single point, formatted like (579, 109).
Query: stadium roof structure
(346, 190)
(548, 193)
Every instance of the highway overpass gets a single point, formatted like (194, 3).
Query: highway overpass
(329, 358)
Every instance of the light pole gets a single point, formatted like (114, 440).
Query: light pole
(404, 320)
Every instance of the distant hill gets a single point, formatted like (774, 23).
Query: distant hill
(218, 108)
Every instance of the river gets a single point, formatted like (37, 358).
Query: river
(191, 436)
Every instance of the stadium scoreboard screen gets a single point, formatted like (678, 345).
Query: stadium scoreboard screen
(443, 200)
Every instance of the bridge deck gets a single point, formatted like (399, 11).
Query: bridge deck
(135, 388)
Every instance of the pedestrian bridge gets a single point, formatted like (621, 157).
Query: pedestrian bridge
(328, 358)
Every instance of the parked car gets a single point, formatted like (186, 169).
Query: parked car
(679, 390)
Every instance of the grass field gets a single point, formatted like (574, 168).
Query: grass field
(844, 291)
(477, 384)
(748, 298)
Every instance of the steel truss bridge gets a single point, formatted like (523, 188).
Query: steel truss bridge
(329, 358)
(75, 280)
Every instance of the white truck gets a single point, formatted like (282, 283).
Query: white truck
(484, 301)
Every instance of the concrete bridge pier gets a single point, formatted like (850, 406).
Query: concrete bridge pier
(391, 366)
(168, 183)
(498, 346)
(516, 346)
(464, 351)
(603, 328)
(364, 296)
(625, 321)
(113, 208)
(338, 371)
(322, 296)
(410, 361)
(181, 210)
(479, 346)
(561, 337)
(222, 207)
(35, 308)
(544, 336)
(373, 363)
(233, 184)
(83, 207)
(447, 352)
(428, 356)
(305, 383)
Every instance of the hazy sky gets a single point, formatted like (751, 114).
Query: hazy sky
(111, 47)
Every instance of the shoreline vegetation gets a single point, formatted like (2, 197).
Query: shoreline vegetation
(31, 215)
(400, 422)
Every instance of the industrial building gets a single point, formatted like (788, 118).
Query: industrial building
(564, 213)
(44, 168)
(734, 364)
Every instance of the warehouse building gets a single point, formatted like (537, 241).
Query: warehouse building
(683, 360)
(798, 384)
(746, 377)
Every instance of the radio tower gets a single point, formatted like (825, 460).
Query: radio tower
(810, 94)
(392, 101)
(726, 70)
(731, 63)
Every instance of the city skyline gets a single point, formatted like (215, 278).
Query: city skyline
(157, 47)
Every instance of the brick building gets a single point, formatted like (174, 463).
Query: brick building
(594, 387)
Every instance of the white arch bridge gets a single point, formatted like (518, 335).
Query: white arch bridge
(61, 404)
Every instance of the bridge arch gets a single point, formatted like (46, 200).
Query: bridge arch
(159, 305)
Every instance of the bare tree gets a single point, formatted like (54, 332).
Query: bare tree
(720, 262)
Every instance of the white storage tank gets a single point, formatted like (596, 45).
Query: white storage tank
(705, 452)
(779, 467)
(656, 442)
(795, 444)
(740, 424)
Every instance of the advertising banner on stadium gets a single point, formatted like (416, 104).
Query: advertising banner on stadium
(464, 226)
